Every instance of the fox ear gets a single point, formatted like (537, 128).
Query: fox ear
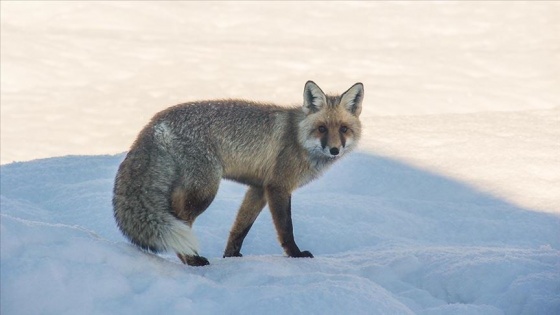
(352, 99)
(313, 98)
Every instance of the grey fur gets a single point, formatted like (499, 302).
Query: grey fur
(172, 171)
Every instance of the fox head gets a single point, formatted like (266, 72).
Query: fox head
(331, 125)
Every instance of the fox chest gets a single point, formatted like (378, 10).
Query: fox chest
(306, 179)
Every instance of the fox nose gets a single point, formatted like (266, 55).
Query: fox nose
(334, 151)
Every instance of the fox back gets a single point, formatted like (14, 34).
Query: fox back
(172, 171)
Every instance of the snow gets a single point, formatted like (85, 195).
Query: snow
(450, 206)
(388, 239)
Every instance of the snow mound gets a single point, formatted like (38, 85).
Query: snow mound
(388, 239)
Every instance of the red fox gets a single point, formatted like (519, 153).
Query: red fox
(172, 172)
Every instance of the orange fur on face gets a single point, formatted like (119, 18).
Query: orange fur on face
(334, 119)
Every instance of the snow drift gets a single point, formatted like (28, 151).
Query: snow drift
(388, 238)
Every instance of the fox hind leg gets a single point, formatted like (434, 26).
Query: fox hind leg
(187, 203)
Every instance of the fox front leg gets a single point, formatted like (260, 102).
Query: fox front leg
(252, 205)
(279, 202)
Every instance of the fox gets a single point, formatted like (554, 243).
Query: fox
(172, 171)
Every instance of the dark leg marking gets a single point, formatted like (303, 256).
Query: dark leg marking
(252, 205)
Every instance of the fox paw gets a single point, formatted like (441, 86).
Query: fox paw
(233, 254)
(196, 261)
(303, 254)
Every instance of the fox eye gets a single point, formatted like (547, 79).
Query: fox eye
(322, 129)
(343, 129)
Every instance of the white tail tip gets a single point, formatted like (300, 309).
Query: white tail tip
(180, 239)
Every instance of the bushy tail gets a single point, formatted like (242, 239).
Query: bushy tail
(142, 211)
(179, 238)
(156, 231)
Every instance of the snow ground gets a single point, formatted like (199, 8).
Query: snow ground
(388, 238)
(450, 207)
(83, 77)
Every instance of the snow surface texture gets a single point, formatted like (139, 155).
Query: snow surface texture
(84, 77)
(450, 207)
(388, 239)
